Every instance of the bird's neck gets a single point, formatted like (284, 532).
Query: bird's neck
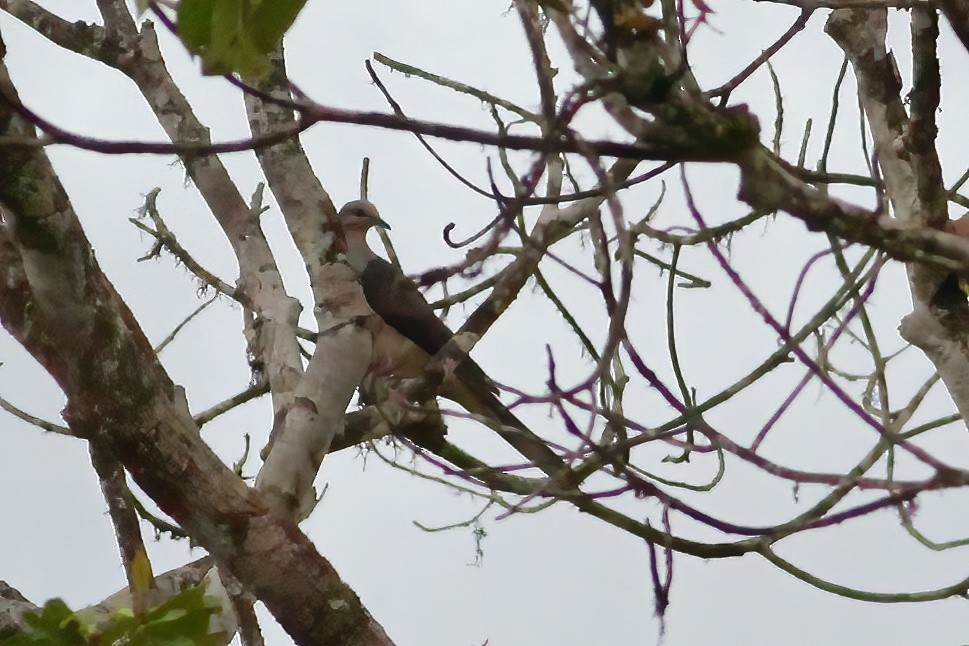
(359, 252)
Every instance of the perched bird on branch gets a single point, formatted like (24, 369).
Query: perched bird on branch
(408, 333)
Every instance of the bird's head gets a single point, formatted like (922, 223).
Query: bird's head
(360, 215)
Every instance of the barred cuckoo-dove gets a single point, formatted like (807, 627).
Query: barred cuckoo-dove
(409, 333)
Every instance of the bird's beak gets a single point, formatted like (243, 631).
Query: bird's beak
(379, 222)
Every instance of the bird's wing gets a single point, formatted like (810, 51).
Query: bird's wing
(398, 301)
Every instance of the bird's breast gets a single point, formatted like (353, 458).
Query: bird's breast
(394, 354)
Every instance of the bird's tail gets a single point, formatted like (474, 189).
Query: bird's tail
(478, 399)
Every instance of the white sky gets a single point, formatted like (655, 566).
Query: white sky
(553, 578)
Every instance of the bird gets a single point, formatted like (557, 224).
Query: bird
(407, 333)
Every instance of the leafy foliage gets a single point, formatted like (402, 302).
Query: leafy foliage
(235, 35)
(183, 620)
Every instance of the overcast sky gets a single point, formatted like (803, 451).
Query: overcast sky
(552, 578)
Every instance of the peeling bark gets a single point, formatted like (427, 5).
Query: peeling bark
(52, 288)
(905, 148)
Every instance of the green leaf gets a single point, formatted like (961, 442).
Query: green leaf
(235, 35)
(142, 578)
(183, 620)
(271, 20)
(195, 23)
(141, 6)
(56, 625)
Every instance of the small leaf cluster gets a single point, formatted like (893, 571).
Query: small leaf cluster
(235, 35)
(182, 620)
